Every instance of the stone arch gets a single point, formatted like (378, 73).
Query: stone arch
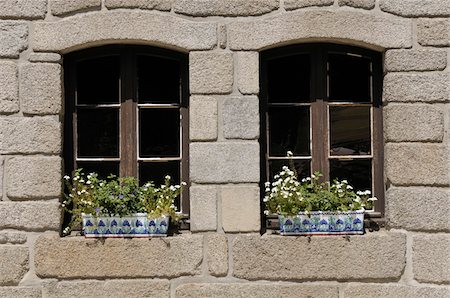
(373, 30)
(142, 27)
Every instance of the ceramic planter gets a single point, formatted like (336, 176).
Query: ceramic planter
(134, 225)
(323, 223)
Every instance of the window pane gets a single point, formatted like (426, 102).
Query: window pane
(98, 132)
(159, 133)
(289, 130)
(349, 78)
(357, 172)
(103, 169)
(158, 80)
(98, 80)
(303, 167)
(156, 171)
(350, 130)
(289, 79)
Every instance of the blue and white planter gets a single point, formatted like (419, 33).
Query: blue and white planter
(134, 225)
(323, 223)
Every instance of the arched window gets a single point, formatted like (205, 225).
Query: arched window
(126, 113)
(323, 103)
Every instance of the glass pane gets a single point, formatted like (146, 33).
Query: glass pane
(103, 169)
(289, 79)
(350, 130)
(357, 172)
(303, 167)
(349, 78)
(98, 80)
(156, 171)
(98, 132)
(159, 133)
(158, 80)
(289, 131)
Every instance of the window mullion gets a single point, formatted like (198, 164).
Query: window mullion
(128, 154)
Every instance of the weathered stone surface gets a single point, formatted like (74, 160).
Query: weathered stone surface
(358, 26)
(112, 288)
(224, 162)
(127, 26)
(222, 38)
(433, 32)
(416, 122)
(176, 256)
(240, 208)
(164, 5)
(366, 4)
(45, 57)
(202, 8)
(40, 88)
(20, 292)
(294, 4)
(203, 118)
(62, 7)
(217, 254)
(30, 135)
(203, 211)
(417, 164)
(392, 290)
(254, 290)
(418, 208)
(417, 8)
(13, 264)
(248, 72)
(13, 38)
(210, 72)
(378, 255)
(27, 9)
(413, 87)
(431, 255)
(13, 238)
(407, 60)
(31, 216)
(34, 177)
(241, 118)
(9, 92)
(2, 162)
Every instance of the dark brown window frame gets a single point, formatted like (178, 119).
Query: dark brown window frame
(128, 127)
(319, 115)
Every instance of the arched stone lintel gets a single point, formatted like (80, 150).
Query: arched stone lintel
(131, 27)
(373, 30)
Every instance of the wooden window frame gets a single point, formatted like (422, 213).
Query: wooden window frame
(319, 117)
(128, 118)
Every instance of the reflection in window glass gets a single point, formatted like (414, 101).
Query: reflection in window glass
(103, 169)
(289, 130)
(98, 132)
(350, 131)
(303, 167)
(349, 78)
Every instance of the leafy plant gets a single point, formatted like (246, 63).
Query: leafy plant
(287, 195)
(117, 196)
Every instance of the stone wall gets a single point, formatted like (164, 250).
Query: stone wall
(223, 255)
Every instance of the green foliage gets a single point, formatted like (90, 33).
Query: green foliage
(117, 196)
(287, 195)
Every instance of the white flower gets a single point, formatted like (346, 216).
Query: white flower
(345, 181)
(66, 177)
(266, 212)
(183, 183)
(266, 199)
(167, 177)
(349, 187)
(88, 182)
(289, 153)
(372, 199)
(75, 178)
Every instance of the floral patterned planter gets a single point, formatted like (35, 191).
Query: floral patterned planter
(134, 225)
(323, 223)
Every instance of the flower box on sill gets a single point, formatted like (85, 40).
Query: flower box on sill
(134, 225)
(323, 223)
